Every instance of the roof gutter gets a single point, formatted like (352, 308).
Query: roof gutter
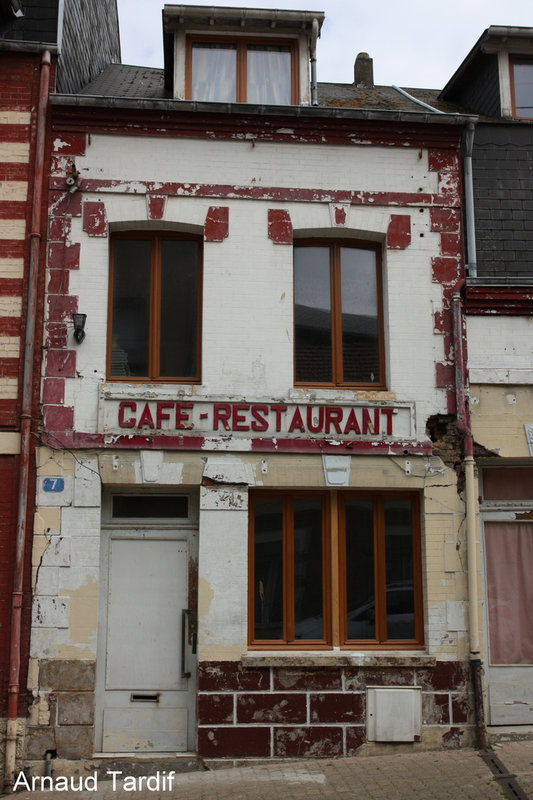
(245, 109)
(19, 46)
(417, 101)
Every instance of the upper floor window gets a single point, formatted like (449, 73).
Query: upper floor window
(338, 338)
(242, 70)
(522, 71)
(155, 297)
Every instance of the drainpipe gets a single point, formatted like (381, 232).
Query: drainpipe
(25, 425)
(465, 430)
(469, 201)
(314, 85)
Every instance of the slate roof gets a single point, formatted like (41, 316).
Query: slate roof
(132, 82)
(121, 80)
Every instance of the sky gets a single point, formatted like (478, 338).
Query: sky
(413, 43)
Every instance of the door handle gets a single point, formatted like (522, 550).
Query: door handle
(185, 614)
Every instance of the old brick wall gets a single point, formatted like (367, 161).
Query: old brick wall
(290, 712)
(19, 91)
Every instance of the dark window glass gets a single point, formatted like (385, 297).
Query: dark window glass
(523, 88)
(308, 596)
(400, 592)
(268, 569)
(179, 308)
(155, 308)
(149, 505)
(131, 308)
(360, 600)
(338, 331)
(312, 314)
(360, 324)
(372, 560)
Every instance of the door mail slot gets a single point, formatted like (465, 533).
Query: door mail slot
(145, 698)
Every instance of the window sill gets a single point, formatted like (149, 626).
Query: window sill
(389, 658)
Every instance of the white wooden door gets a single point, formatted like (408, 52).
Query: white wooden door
(146, 673)
(509, 594)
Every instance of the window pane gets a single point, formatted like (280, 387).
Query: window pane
(268, 569)
(312, 314)
(361, 613)
(268, 74)
(149, 505)
(179, 309)
(308, 597)
(360, 344)
(214, 72)
(399, 570)
(131, 307)
(523, 88)
(508, 483)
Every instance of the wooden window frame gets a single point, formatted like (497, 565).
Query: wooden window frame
(335, 246)
(154, 326)
(241, 44)
(513, 59)
(334, 573)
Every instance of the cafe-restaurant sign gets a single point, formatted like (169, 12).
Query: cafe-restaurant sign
(246, 419)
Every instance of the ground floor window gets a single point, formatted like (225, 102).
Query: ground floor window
(335, 569)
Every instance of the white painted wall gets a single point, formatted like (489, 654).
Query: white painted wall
(247, 340)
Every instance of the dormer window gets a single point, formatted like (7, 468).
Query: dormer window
(259, 56)
(522, 72)
(242, 70)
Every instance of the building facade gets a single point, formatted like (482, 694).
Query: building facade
(33, 39)
(250, 536)
(495, 81)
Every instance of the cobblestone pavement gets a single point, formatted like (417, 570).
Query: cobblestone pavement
(438, 775)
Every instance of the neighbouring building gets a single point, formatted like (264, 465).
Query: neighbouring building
(250, 536)
(43, 44)
(496, 81)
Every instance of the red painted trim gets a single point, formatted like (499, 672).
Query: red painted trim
(279, 226)
(279, 194)
(77, 439)
(72, 144)
(64, 256)
(296, 126)
(155, 205)
(216, 227)
(399, 232)
(94, 218)
(501, 300)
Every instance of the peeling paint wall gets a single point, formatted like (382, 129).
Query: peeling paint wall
(250, 195)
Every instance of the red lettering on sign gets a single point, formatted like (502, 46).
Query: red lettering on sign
(352, 423)
(368, 425)
(311, 426)
(146, 418)
(122, 421)
(221, 413)
(161, 414)
(388, 412)
(297, 422)
(182, 416)
(333, 417)
(259, 422)
(239, 420)
(278, 411)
